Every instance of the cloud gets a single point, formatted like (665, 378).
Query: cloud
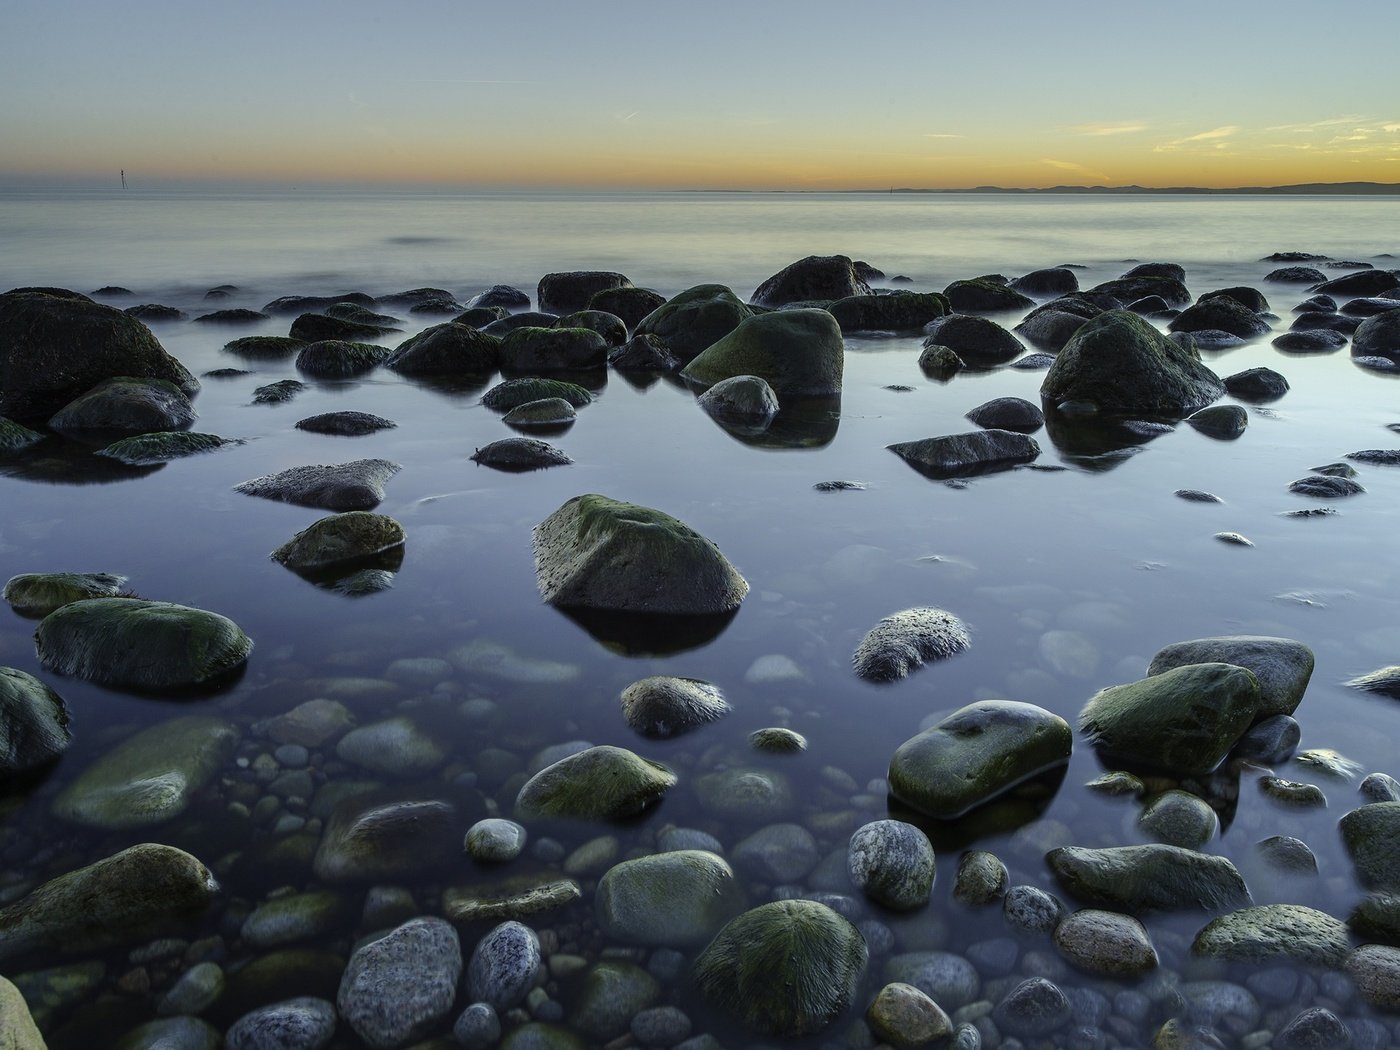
(1078, 169)
(1121, 128)
(1212, 136)
(1317, 125)
(930, 135)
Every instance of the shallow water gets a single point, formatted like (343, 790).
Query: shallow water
(1102, 550)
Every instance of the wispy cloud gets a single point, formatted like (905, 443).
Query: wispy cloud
(933, 135)
(1127, 127)
(1078, 169)
(1317, 125)
(1215, 137)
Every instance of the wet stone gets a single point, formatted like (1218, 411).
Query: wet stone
(1271, 741)
(665, 706)
(982, 878)
(903, 1016)
(1104, 942)
(1380, 787)
(1274, 931)
(777, 853)
(503, 966)
(398, 988)
(1314, 1029)
(303, 1023)
(1292, 793)
(1035, 1007)
(1029, 909)
(1179, 818)
(495, 840)
(1287, 855)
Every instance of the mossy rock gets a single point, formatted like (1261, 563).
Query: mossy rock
(340, 539)
(982, 296)
(1139, 285)
(127, 405)
(601, 783)
(33, 723)
(665, 705)
(338, 359)
(521, 453)
(695, 319)
(40, 593)
(345, 310)
(546, 412)
(787, 968)
(676, 899)
(503, 397)
(446, 349)
(610, 327)
(963, 455)
(1137, 879)
(1222, 314)
(15, 438)
(517, 897)
(1282, 666)
(314, 328)
(345, 424)
(629, 304)
(145, 449)
(813, 279)
(600, 553)
(1275, 931)
(799, 353)
(265, 347)
(130, 643)
(384, 835)
(278, 392)
(566, 292)
(1371, 835)
(528, 350)
(899, 312)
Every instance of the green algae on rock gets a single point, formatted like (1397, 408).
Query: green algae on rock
(127, 642)
(33, 723)
(799, 353)
(676, 899)
(40, 593)
(338, 539)
(600, 783)
(693, 320)
(1138, 879)
(1275, 931)
(144, 449)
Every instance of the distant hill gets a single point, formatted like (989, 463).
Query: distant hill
(1348, 189)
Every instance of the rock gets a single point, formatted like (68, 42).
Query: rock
(54, 347)
(397, 747)
(142, 890)
(601, 783)
(1179, 818)
(1124, 366)
(798, 352)
(530, 350)
(1328, 322)
(476, 316)
(1324, 487)
(980, 343)
(1165, 270)
(664, 706)
(494, 840)
(124, 405)
(1030, 910)
(1256, 384)
(564, 293)
(1220, 421)
(146, 449)
(982, 296)
(946, 978)
(546, 412)
(778, 741)
(905, 1017)
(360, 313)
(612, 993)
(752, 796)
(529, 319)
(1053, 281)
(1311, 341)
(976, 754)
(778, 853)
(1050, 329)
(1387, 457)
(312, 724)
(445, 350)
(503, 966)
(1008, 413)
(660, 1026)
(17, 1028)
(300, 304)
(16, 438)
(1364, 282)
(785, 968)
(400, 987)
(982, 878)
(643, 353)
(1287, 855)
(278, 392)
(357, 485)
(741, 399)
(501, 295)
(494, 660)
(892, 863)
(154, 312)
(1296, 275)
(611, 328)
(1380, 787)
(1184, 720)
(518, 897)
(520, 454)
(1385, 680)
(695, 319)
(626, 303)
(1206, 339)
(813, 279)
(599, 553)
(1292, 793)
(1130, 288)
(478, 1027)
(905, 641)
(33, 723)
(337, 359)
(677, 899)
(940, 362)
(1250, 298)
(339, 539)
(1107, 943)
(151, 777)
(315, 328)
(1220, 313)
(1377, 336)
(1283, 667)
(303, 1023)
(135, 644)
(171, 1033)
(900, 312)
(383, 836)
(40, 593)
(298, 917)
(962, 455)
(504, 397)
(1375, 970)
(265, 347)
(1035, 1007)
(1139, 879)
(1274, 931)
(1371, 835)
(1314, 1029)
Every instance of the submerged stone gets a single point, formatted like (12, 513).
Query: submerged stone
(40, 593)
(357, 485)
(1140, 879)
(384, 837)
(1275, 931)
(511, 394)
(278, 392)
(892, 863)
(126, 642)
(1324, 487)
(546, 412)
(520, 454)
(664, 706)
(338, 539)
(906, 640)
(145, 449)
(400, 987)
(601, 783)
(517, 897)
(265, 347)
(33, 723)
(1385, 680)
(960, 455)
(1105, 942)
(676, 899)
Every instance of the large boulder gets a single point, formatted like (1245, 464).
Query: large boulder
(1282, 666)
(896, 312)
(799, 353)
(1362, 282)
(600, 783)
(340, 538)
(628, 303)
(1154, 877)
(1183, 720)
(313, 328)
(1123, 366)
(980, 295)
(511, 394)
(446, 349)
(1221, 313)
(961, 455)
(673, 900)
(976, 754)
(816, 278)
(1371, 834)
(55, 345)
(1130, 288)
(33, 723)
(564, 293)
(599, 553)
(40, 593)
(892, 863)
(786, 968)
(1275, 931)
(117, 900)
(124, 405)
(529, 350)
(131, 643)
(695, 319)
(981, 343)
(398, 988)
(1378, 336)
(357, 485)
(338, 359)
(1052, 281)
(142, 450)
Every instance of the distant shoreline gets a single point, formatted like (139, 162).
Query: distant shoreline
(1305, 189)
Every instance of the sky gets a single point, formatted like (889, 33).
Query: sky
(765, 94)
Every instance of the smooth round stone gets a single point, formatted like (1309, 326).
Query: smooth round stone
(1069, 653)
(665, 706)
(1282, 666)
(982, 878)
(292, 756)
(747, 399)
(749, 795)
(1179, 818)
(1220, 1003)
(422, 671)
(495, 840)
(394, 747)
(671, 839)
(893, 863)
(383, 839)
(1118, 782)
(33, 722)
(906, 640)
(776, 853)
(1371, 835)
(478, 1028)
(400, 987)
(304, 1023)
(948, 979)
(503, 966)
(995, 957)
(1287, 855)
(1106, 942)
(299, 917)
(1271, 741)
(676, 899)
(599, 783)
(546, 412)
(612, 993)
(1380, 787)
(195, 990)
(903, 1016)
(40, 593)
(778, 741)
(1375, 970)
(1030, 909)
(1035, 1007)
(1274, 931)
(661, 1026)
(594, 856)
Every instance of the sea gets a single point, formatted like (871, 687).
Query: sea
(1068, 579)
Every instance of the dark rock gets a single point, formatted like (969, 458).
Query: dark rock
(302, 304)
(983, 296)
(1333, 322)
(358, 314)
(976, 340)
(278, 392)
(1034, 362)
(339, 539)
(345, 424)
(899, 312)
(550, 412)
(357, 485)
(1324, 487)
(1050, 329)
(1197, 496)
(1147, 878)
(128, 406)
(1282, 667)
(313, 328)
(154, 312)
(1130, 289)
(33, 722)
(1008, 413)
(1274, 931)
(1378, 336)
(1317, 304)
(147, 449)
(1206, 339)
(1034, 1008)
(1056, 280)
(37, 594)
(528, 350)
(1273, 740)
(1369, 307)
(663, 705)
(1250, 298)
(501, 295)
(481, 316)
(643, 353)
(1151, 306)
(1386, 457)
(564, 293)
(611, 327)
(1385, 681)
(446, 349)
(233, 317)
(1371, 835)
(695, 319)
(55, 347)
(1293, 257)
(1220, 313)
(746, 400)
(438, 308)
(1314, 1029)
(1363, 282)
(813, 279)
(1287, 855)
(1314, 341)
(265, 347)
(962, 455)
(520, 453)
(598, 783)
(798, 352)
(629, 304)
(399, 988)
(1257, 384)
(907, 640)
(528, 319)
(1220, 421)
(333, 359)
(503, 397)
(1171, 271)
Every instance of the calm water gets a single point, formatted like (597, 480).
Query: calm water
(1069, 580)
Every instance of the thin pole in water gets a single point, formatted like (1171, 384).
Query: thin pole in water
(123, 178)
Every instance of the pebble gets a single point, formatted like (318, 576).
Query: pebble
(1035, 1007)
(478, 1027)
(197, 988)
(661, 1026)
(303, 1023)
(1029, 909)
(494, 840)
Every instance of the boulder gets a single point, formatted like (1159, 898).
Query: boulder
(1172, 271)
(1183, 720)
(786, 968)
(313, 328)
(15, 437)
(664, 705)
(643, 353)
(983, 296)
(599, 553)
(629, 304)
(1275, 931)
(904, 641)
(550, 412)
(1179, 818)
(339, 539)
(799, 352)
(977, 753)
(1296, 275)
(897, 312)
(384, 837)
(1225, 422)
(345, 424)
(1050, 329)
(400, 987)
(301, 1022)
(278, 392)
(503, 966)
(530, 350)
(1378, 336)
(1008, 413)
(446, 349)
(979, 342)
(963, 455)
(1219, 313)
(1052, 281)
(740, 399)
(520, 453)
(126, 405)
(501, 295)
(610, 994)
(1155, 877)
(33, 723)
(1130, 288)
(694, 320)
(609, 327)
(1034, 1008)
(477, 316)
(40, 593)
(1282, 666)
(503, 397)
(564, 293)
(1250, 298)
(529, 319)
(1123, 366)
(892, 863)
(1363, 282)
(148, 449)
(150, 778)
(119, 900)
(600, 783)
(1371, 835)
(677, 899)
(54, 347)
(1256, 384)
(903, 1016)
(337, 359)
(1107, 943)
(1369, 306)
(357, 485)
(130, 643)
(301, 304)
(813, 279)
(1375, 970)
(265, 347)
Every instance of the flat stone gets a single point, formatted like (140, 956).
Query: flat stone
(1105, 942)
(518, 897)
(1147, 878)
(963, 455)
(1274, 931)
(357, 485)
(400, 987)
(907, 640)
